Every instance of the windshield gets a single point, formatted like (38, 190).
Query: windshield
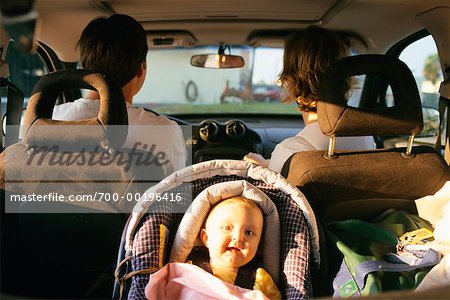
(174, 87)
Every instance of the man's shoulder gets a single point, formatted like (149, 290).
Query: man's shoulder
(71, 110)
(140, 116)
(64, 106)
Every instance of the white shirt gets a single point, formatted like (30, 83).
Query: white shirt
(312, 138)
(144, 127)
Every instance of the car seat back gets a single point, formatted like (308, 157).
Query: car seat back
(342, 185)
(77, 171)
(330, 178)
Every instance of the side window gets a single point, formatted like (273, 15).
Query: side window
(24, 69)
(422, 58)
(355, 92)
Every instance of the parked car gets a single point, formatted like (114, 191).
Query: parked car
(225, 112)
(267, 93)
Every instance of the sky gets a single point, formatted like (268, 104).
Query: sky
(415, 54)
(268, 63)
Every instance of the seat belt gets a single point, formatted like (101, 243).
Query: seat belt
(13, 114)
(4, 71)
(444, 110)
(14, 104)
(1, 135)
(19, 19)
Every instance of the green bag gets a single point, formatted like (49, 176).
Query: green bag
(369, 265)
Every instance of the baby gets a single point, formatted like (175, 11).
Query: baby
(232, 233)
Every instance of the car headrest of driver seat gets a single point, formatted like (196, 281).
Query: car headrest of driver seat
(338, 119)
(40, 128)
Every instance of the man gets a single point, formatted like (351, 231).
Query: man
(117, 46)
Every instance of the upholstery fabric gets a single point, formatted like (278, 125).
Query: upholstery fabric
(337, 118)
(40, 107)
(444, 89)
(357, 175)
(72, 156)
(76, 178)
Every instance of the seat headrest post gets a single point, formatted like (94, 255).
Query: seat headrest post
(330, 154)
(409, 146)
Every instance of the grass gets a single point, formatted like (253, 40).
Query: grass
(250, 108)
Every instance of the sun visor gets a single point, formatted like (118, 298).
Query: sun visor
(270, 38)
(276, 38)
(170, 39)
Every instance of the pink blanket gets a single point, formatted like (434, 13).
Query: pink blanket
(186, 281)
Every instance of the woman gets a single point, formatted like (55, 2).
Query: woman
(307, 55)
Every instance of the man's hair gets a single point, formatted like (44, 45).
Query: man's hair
(115, 46)
(307, 55)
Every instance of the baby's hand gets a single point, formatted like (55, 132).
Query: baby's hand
(256, 159)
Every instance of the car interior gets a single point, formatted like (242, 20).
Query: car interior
(213, 67)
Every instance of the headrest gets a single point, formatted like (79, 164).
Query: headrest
(40, 128)
(193, 220)
(337, 118)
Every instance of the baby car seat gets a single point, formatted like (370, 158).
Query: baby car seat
(153, 235)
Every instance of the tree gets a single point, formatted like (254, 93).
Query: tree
(432, 68)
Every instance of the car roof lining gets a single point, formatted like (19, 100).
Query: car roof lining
(234, 22)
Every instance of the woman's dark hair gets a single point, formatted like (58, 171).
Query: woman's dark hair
(116, 46)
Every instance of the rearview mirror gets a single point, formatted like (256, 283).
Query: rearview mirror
(218, 61)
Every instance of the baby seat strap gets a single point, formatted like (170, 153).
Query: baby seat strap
(122, 279)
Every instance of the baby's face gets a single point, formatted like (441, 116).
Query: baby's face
(232, 234)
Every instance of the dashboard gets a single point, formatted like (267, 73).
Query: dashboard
(232, 137)
(212, 139)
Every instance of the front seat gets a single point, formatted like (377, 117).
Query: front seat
(361, 184)
(347, 184)
(71, 189)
